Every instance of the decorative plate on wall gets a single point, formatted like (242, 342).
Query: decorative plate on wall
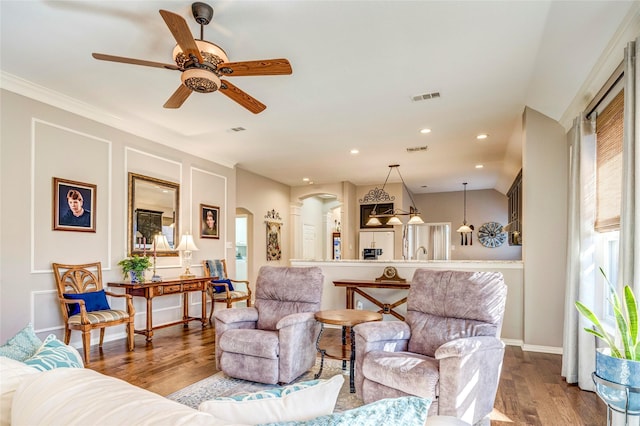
(491, 235)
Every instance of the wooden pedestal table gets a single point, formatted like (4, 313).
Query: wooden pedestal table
(346, 318)
(183, 286)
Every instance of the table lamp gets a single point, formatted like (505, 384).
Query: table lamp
(160, 243)
(186, 246)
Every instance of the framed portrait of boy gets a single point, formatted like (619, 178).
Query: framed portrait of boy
(74, 206)
(209, 221)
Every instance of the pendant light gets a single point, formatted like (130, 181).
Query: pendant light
(466, 231)
(392, 214)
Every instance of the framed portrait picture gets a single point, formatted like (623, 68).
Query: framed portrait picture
(74, 206)
(209, 221)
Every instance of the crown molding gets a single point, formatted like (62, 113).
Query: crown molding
(144, 130)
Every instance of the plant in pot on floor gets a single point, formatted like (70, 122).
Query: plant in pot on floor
(133, 267)
(620, 362)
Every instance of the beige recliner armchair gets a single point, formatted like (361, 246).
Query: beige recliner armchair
(448, 349)
(273, 341)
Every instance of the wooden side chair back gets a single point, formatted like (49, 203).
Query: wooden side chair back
(84, 306)
(222, 292)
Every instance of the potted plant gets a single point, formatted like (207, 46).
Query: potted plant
(620, 362)
(134, 267)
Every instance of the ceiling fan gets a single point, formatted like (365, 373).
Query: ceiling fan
(203, 64)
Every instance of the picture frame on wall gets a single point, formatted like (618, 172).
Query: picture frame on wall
(74, 206)
(209, 222)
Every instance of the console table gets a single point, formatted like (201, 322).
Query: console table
(149, 290)
(356, 286)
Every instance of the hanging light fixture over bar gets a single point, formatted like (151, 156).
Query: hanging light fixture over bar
(392, 214)
(464, 229)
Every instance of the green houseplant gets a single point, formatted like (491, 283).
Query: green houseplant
(620, 362)
(135, 267)
(626, 323)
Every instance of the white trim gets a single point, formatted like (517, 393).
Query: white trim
(150, 131)
(513, 342)
(544, 349)
(35, 121)
(226, 197)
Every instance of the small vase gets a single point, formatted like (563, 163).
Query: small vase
(137, 276)
(621, 371)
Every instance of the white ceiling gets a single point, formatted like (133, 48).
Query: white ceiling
(356, 66)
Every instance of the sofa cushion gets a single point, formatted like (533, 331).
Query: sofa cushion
(93, 301)
(405, 411)
(12, 373)
(21, 346)
(297, 402)
(54, 354)
(81, 396)
(260, 343)
(410, 373)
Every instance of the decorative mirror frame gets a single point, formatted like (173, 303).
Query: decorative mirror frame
(133, 178)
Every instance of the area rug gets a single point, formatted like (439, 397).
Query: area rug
(222, 385)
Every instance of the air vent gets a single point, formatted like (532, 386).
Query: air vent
(238, 129)
(425, 96)
(417, 148)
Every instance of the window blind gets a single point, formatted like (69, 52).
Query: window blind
(609, 125)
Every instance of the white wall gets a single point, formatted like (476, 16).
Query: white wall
(544, 221)
(39, 142)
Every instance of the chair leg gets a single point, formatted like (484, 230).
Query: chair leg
(67, 335)
(130, 336)
(249, 303)
(101, 337)
(229, 304)
(213, 303)
(86, 345)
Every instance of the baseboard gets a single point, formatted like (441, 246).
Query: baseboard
(545, 349)
(513, 342)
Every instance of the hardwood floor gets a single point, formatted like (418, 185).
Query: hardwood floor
(531, 390)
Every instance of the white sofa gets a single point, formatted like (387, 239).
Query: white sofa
(80, 396)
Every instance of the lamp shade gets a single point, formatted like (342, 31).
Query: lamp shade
(393, 220)
(161, 243)
(415, 220)
(186, 243)
(465, 229)
(374, 221)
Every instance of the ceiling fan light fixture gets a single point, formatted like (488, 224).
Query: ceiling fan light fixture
(200, 80)
(212, 54)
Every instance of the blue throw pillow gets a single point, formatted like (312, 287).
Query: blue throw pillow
(93, 301)
(23, 345)
(406, 411)
(54, 354)
(220, 288)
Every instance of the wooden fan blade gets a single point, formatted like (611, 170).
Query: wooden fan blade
(180, 30)
(247, 101)
(124, 60)
(262, 67)
(179, 96)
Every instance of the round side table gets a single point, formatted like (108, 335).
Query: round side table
(346, 318)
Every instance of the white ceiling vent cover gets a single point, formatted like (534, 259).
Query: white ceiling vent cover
(417, 148)
(425, 96)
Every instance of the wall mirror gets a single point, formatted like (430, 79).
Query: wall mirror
(153, 210)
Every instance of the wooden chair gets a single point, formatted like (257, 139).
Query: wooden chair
(79, 286)
(217, 269)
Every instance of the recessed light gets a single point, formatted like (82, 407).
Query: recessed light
(354, 151)
(479, 166)
(305, 179)
(482, 136)
(425, 131)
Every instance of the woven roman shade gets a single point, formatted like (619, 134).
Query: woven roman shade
(609, 125)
